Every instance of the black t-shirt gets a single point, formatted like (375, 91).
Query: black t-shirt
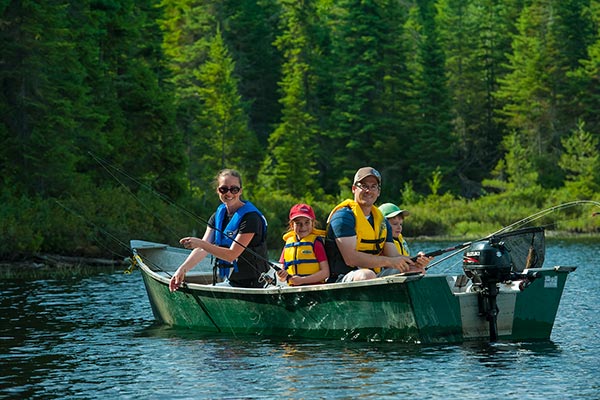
(253, 260)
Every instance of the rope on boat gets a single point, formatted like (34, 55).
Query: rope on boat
(132, 264)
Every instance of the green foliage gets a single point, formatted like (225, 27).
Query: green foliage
(249, 30)
(586, 77)
(225, 140)
(516, 173)
(581, 162)
(297, 96)
(537, 91)
(576, 219)
(45, 94)
(95, 223)
(475, 38)
(366, 73)
(409, 195)
(19, 229)
(431, 128)
(435, 181)
(289, 166)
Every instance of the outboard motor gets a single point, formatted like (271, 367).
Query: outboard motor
(488, 263)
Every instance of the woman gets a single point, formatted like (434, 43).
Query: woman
(303, 255)
(235, 235)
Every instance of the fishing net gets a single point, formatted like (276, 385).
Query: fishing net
(526, 247)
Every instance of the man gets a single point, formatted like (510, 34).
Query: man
(359, 241)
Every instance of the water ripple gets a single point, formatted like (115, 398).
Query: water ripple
(96, 337)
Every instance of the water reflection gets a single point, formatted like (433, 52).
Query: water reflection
(505, 355)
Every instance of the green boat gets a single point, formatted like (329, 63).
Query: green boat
(503, 294)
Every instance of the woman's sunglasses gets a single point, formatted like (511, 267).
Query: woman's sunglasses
(232, 189)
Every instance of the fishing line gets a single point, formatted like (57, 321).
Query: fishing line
(545, 212)
(106, 165)
(110, 235)
(518, 224)
(113, 237)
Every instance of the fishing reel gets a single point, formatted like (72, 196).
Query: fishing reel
(269, 278)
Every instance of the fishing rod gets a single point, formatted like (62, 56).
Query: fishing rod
(116, 239)
(545, 212)
(132, 260)
(106, 165)
(458, 248)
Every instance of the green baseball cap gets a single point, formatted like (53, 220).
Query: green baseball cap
(390, 210)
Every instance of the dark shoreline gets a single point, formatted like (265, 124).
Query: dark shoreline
(42, 266)
(54, 266)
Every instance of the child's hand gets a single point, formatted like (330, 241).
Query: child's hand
(283, 275)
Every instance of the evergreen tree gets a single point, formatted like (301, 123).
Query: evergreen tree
(138, 130)
(581, 162)
(537, 93)
(151, 112)
(188, 27)
(586, 77)
(475, 37)
(516, 174)
(289, 166)
(43, 97)
(225, 140)
(321, 96)
(393, 137)
(250, 28)
(357, 83)
(429, 120)
(574, 34)
(367, 121)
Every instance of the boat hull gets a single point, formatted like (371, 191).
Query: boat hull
(422, 309)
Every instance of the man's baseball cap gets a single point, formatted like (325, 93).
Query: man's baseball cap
(364, 172)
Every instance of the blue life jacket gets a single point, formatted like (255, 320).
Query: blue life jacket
(224, 235)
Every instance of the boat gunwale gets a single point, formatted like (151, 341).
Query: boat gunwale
(277, 289)
(392, 279)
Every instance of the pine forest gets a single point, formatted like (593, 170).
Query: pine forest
(116, 115)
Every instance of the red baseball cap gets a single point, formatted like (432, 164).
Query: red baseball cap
(302, 210)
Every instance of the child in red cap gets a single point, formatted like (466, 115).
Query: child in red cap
(303, 256)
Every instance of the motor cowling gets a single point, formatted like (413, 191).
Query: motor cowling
(487, 261)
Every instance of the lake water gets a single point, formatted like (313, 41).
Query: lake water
(94, 337)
